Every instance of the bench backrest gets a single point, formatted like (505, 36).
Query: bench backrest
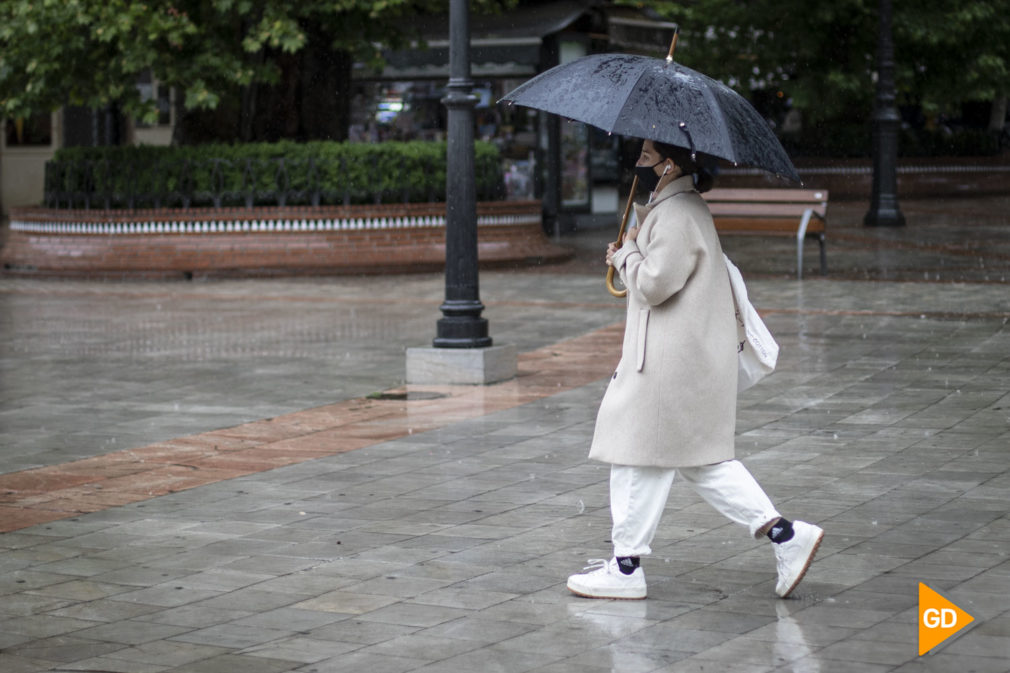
(766, 202)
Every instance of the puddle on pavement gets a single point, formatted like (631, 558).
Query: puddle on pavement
(412, 396)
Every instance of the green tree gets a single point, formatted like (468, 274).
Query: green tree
(821, 56)
(91, 52)
(958, 50)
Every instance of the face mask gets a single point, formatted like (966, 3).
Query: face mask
(647, 177)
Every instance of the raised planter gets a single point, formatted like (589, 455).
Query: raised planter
(212, 242)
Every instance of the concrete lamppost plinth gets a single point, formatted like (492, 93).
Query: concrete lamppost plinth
(462, 350)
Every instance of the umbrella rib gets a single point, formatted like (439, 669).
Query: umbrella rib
(722, 126)
(629, 101)
(612, 125)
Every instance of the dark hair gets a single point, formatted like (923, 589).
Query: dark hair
(703, 178)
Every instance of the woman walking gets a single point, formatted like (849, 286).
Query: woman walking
(671, 406)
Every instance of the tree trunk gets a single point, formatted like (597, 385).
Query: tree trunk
(997, 115)
(325, 90)
(178, 120)
(283, 120)
(343, 63)
(247, 117)
(311, 101)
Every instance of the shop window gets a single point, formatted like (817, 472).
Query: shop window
(575, 165)
(33, 131)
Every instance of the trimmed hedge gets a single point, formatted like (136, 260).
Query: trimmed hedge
(959, 143)
(856, 141)
(258, 174)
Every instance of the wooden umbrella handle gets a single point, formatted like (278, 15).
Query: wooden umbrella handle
(620, 235)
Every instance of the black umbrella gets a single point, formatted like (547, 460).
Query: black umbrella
(660, 100)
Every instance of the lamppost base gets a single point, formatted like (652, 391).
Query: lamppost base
(461, 366)
(464, 343)
(884, 217)
(461, 331)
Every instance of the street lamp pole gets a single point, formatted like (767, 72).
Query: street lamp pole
(461, 325)
(884, 210)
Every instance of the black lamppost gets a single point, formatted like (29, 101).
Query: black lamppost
(884, 210)
(461, 325)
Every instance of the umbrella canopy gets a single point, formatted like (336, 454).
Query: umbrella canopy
(660, 100)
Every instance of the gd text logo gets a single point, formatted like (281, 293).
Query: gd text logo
(939, 619)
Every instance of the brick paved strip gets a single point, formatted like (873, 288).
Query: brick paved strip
(31, 497)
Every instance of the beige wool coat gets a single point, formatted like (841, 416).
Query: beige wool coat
(672, 401)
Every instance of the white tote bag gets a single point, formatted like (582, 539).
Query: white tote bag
(756, 347)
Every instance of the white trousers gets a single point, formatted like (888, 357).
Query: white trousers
(638, 497)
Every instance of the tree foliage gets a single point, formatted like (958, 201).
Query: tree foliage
(957, 50)
(822, 55)
(91, 52)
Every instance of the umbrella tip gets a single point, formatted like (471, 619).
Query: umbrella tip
(673, 45)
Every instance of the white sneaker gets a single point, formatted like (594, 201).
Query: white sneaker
(796, 555)
(606, 580)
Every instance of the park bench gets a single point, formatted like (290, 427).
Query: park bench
(773, 212)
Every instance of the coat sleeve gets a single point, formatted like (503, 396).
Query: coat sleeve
(663, 266)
